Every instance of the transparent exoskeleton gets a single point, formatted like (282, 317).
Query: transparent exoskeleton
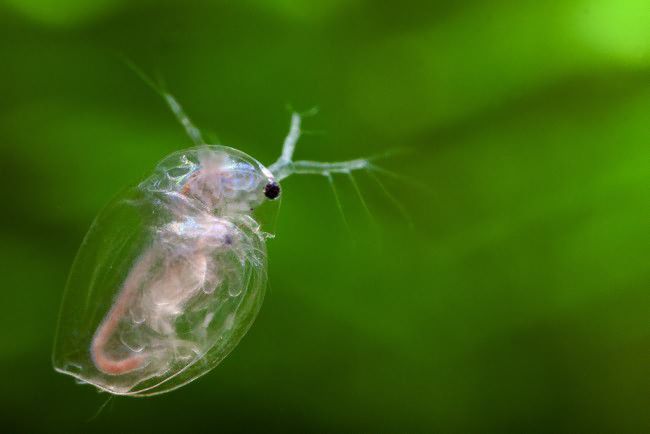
(169, 277)
(172, 272)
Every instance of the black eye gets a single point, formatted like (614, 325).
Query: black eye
(272, 190)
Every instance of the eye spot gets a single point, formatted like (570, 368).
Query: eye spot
(272, 190)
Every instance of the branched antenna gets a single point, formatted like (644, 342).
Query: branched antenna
(285, 167)
(192, 131)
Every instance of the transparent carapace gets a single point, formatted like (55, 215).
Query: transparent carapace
(172, 272)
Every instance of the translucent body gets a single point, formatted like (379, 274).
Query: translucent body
(172, 272)
(169, 277)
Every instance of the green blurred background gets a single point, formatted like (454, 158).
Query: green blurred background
(517, 301)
